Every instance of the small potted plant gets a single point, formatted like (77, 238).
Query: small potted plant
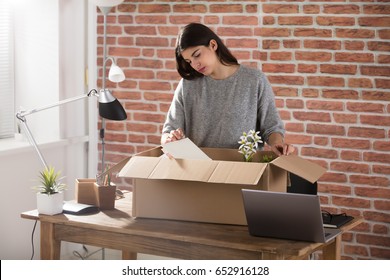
(50, 196)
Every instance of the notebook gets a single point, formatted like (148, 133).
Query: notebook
(335, 220)
(286, 215)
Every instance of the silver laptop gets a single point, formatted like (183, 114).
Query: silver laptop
(286, 215)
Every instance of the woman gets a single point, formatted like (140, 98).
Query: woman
(218, 99)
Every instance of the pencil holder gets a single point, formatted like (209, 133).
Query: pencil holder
(85, 191)
(105, 196)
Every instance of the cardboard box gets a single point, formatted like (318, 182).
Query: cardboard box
(206, 190)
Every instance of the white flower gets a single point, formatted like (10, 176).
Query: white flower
(249, 142)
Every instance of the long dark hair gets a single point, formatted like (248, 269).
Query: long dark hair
(196, 34)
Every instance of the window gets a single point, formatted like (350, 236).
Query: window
(7, 119)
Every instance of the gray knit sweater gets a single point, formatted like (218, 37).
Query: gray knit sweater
(215, 113)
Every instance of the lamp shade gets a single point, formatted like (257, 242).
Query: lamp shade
(106, 3)
(116, 74)
(109, 107)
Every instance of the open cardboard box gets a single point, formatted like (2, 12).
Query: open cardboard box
(206, 190)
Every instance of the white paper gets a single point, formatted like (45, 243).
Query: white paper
(184, 149)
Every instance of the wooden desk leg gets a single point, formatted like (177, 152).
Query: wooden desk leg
(126, 255)
(50, 248)
(332, 251)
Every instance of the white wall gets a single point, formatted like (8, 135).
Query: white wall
(69, 145)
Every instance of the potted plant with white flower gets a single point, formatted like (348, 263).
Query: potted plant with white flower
(50, 196)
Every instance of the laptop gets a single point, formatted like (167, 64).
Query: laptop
(286, 215)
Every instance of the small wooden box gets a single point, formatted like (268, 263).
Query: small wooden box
(85, 191)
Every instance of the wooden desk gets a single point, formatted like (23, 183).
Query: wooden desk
(117, 229)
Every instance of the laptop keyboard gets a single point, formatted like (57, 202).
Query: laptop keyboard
(327, 234)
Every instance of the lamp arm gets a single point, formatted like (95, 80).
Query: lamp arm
(21, 116)
(33, 142)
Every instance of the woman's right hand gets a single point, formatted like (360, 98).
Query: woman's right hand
(173, 135)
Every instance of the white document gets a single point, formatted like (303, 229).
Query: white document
(184, 149)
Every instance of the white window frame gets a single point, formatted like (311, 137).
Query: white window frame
(7, 102)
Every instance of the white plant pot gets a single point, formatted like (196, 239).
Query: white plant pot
(50, 204)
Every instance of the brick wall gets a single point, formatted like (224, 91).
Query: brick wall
(328, 62)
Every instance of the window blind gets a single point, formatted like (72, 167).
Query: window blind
(7, 107)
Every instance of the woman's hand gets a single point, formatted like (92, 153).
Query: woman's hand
(173, 135)
(283, 149)
(278, 146)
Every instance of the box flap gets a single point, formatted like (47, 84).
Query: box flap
(182, 169)
(139, 167)
(230, 172)
(301, 167)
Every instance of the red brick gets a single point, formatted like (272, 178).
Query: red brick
(295, 20)
(189, 8)
(373, 240)
(334, 189)
(313, 32)
(298, 139)
(375, 119)
(294, 103)
(321, 141)
(381, 253)
(286, 91)
(311, 116)
(341, 9)
(382, 145)
(325, 129)
(136, 138)
(350, 143)
(351, 155)
(324, 105)
(378, 46)
(307, 68)
(345, 118)
(322, 44)
(147, 117)
(374, 21)
(272, 32)
(335, 21)
(351, 202)
(356, 250)
(383, 205)
(376, 95)
(334, 177)
(280, 8)
(270, 44)
(350, 167)
(381, 169)
(377, 157)
(278, 68)
(311, 9)
(326, 81)
(338, 69)
(354, 57)
(226, 8)
(355, 33)
(313, 56)
(369, 180)
(316, 152)
(369, 108)
(360, 83)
